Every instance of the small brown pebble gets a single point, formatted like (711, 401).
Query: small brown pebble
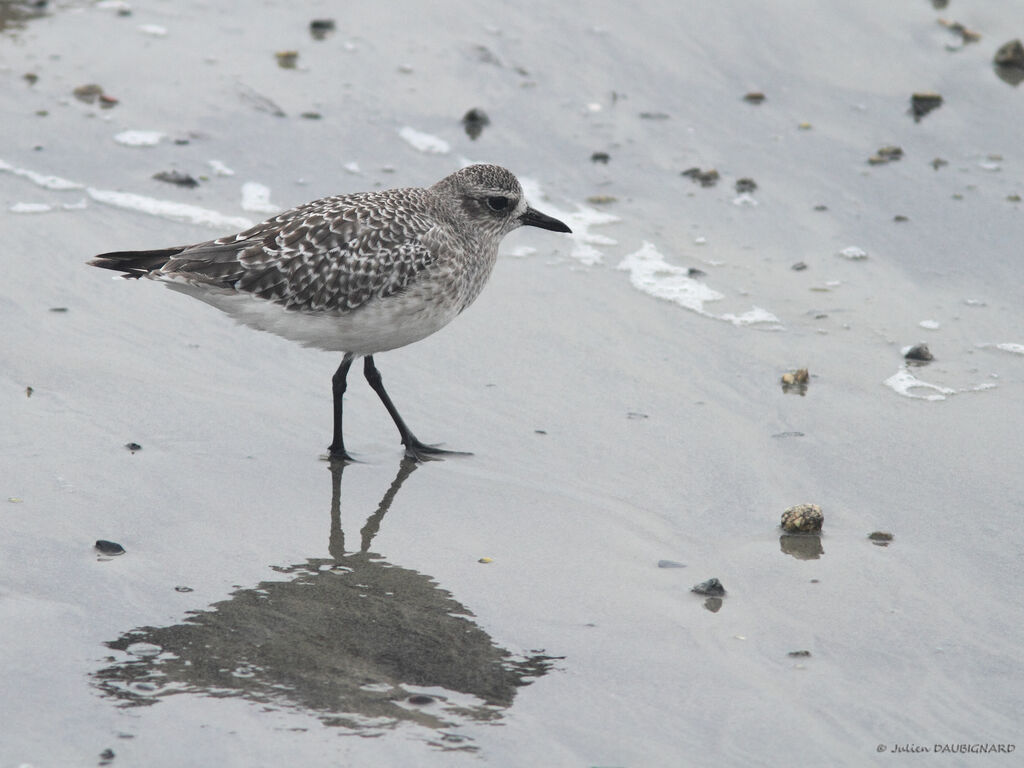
(602, 199)
(31, 78)
(287, 59)
(881, 538)
(754, 97)
(745, 185)
(87, 93)
(923, 103)
(706, 178)
(420, 699)
(29, 391)
(899, 218)
(796, 381)
(310, 115)
(803, 518)
(799, 654)
(938, 162)
(600, 157)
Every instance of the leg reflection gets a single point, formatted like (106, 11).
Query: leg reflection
(336, 543)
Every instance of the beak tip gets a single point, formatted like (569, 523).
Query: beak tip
(534, 218)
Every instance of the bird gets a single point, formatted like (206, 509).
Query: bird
(358, 274)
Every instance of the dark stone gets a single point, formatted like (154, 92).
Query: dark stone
(919, 352)
(176, 177)
(474, 122)
(745, 185)
(754, 97)
(923, 103)
(600, 157)
(321, 28)
(799, 267)
(711, 587)
(105, 547)
(133, 447)
(706, 178)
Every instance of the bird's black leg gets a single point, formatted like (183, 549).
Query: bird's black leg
(414, 449)
(338, 384)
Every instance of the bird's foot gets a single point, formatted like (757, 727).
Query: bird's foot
(339, 454)
(414, 449)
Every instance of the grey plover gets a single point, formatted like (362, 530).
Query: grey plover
(357, 274)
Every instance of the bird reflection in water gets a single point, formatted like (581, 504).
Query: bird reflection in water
(360, 643)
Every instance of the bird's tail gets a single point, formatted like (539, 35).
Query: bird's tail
(135, 263)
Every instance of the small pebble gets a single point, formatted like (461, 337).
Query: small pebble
(321, 28)
(105, 547)
(183, 589)
(799, 654)
(706, 178)
(711, 587)
(176, 177)
(29, 391)
(799, 266)
(474, 122)
(420, 699)
(486, 560)
(919, 352)
(745, 185)
(923, 103)
(287, 59)
(802, 518)
(133, 447)
(880, 538)
(600, 157)
(796, 381)
(670, 564)
(754, 97)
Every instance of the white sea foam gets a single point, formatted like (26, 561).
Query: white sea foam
(30, 208)
(424, 142)
(167, 209)
(40, 179)
(931, 325)
(1017, 349)
(584, 242)
(139, 138)
(127, 200)
(256, 198)
(650, 273)
(903, 382)
(219, 169)
(153, 30)
(853, 253)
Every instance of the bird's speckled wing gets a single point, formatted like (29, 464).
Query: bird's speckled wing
(333, 254)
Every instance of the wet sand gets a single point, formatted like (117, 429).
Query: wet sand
(622, 410)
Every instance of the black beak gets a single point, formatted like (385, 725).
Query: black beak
(534, 218)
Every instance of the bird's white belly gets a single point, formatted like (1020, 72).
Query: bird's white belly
(377, 326)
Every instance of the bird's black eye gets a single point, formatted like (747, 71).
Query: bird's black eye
(497, 203)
